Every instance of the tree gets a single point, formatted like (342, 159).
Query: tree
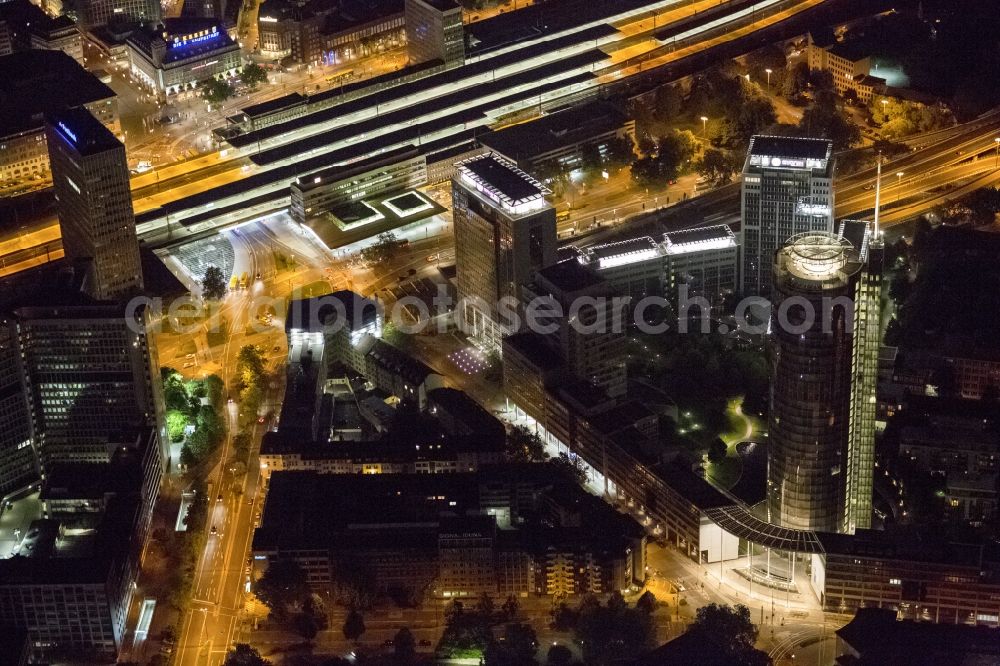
(646, 603)
(175, 396)
(619, 153)
(466, 634)
(613, 633)
(667, 104)
(306, 626)
(485, 605)
(559, 655)
(772, 58)
(216, 91)
(796, 80)
(672, 157)
(821, 81)
(176, 422)
(382, 250)
(753, 114)
(213, 285)
(510, 607)
(728, 632)
(282, 586)
(591, 162)
(524, 445)
(824, 119)
(573, 468)
(354, 626)
(717, 450)
(244, 655)
(517, 649)
(253, 75)
(404, 646)
(715, 165)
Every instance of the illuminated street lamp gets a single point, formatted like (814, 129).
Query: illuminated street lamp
(899, 184)
(768, 79)
(885, 113)
(704, 125)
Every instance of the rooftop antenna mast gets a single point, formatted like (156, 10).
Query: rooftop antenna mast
(878, 189)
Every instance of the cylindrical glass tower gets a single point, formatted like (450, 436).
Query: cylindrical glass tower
(810, 346)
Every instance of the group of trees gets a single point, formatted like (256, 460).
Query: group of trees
(611, 157)
(727, 635)
(219, 90)
(898, 118)
(704, 373)
(284, 590)
(469, 633)
(664, 162)
(611, 633)
(196, 404)
(216, 90)
(250, 378)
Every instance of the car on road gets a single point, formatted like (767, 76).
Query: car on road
(214, 530)
(412, 271)
(219, 498)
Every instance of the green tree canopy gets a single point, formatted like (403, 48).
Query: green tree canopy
(825, 119)
(354, 626)
(517, 648)
(404, 646)
(728, 631)
(216, 91)
(282, 587)
(253, 75)
(213, 285)
(524, 445)
(382, 250)
(245, 655)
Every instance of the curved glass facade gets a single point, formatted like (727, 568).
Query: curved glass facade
(811, 344)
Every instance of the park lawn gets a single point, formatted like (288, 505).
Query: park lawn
(725, 473)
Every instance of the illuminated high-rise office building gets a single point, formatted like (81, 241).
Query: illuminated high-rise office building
(435, 32)
(505, 231)
(18, 461)
(96, 13)
(824, 353)
(787, 189)
(87, 372)
(91, 181)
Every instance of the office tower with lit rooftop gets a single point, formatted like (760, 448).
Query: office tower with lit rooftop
(91, 181)
(815, 278)
(505, 231)
(787, 189)
(96, 13)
